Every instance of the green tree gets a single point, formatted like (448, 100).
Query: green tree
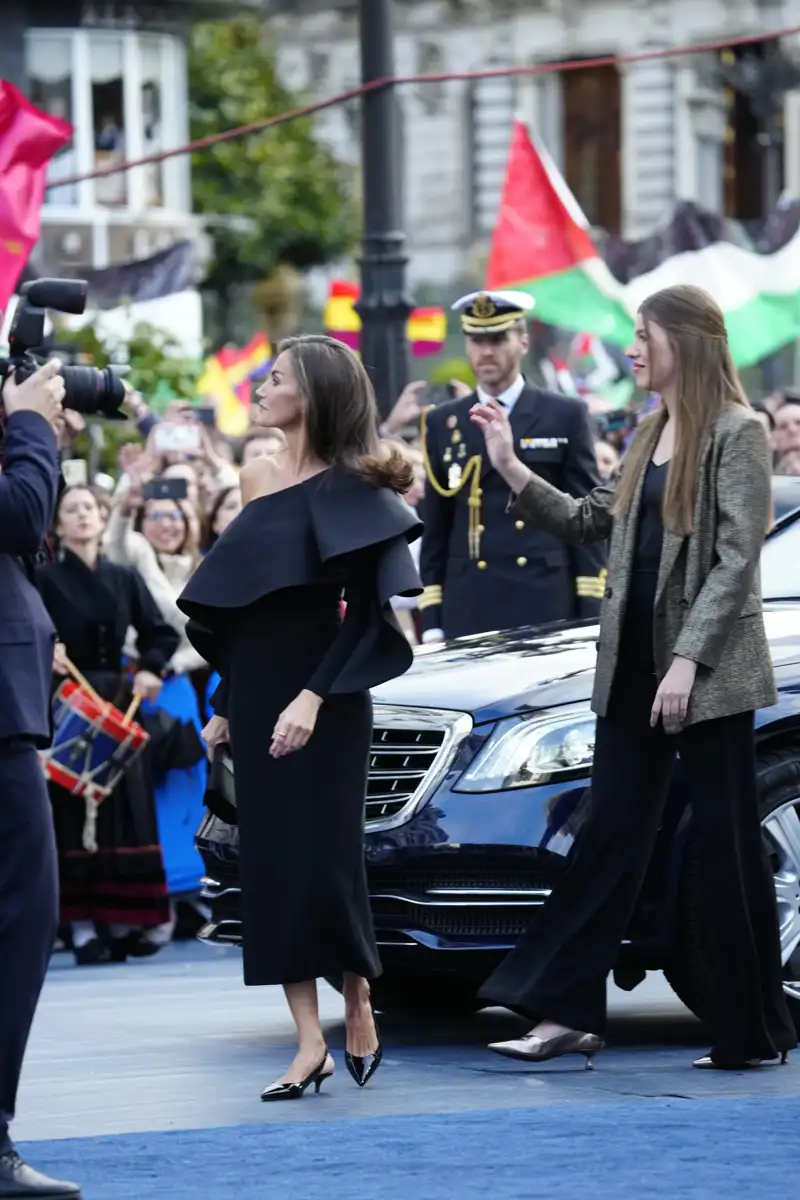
(275, 198)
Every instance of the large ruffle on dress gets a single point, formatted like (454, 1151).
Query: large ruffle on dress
(264, 609)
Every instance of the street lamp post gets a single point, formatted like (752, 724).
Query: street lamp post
(383, 306)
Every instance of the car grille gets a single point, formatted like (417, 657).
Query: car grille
(506, 921)
(410, 753)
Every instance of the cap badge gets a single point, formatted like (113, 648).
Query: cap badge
(483, 307)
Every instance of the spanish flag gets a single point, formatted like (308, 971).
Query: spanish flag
(340, 317)
(426, 330)
(227, 379)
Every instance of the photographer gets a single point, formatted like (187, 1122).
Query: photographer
(29, 485)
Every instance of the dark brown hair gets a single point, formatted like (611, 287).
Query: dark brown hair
(707, 382)
(342, 414)
(103, 506)
(209, 535)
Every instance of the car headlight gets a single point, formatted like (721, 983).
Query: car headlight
(523, 751)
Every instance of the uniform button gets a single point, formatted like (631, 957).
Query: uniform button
(609, 593)
(481, 565)
(481, 529)
(479, 492)
(522, 562)
(519, 524)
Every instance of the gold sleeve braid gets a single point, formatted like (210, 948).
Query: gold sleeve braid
(471, 475)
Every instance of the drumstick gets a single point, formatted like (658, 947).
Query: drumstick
(132, 707)
(87, 687)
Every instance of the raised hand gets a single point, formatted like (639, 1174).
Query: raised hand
(492, 420)
(493, 423)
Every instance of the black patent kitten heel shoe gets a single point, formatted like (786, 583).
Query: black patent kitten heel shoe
(295, 1091)
(362, 1069)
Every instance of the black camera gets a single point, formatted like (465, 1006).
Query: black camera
(89, 391)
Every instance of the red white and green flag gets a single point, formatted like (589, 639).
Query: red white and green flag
(542, 245)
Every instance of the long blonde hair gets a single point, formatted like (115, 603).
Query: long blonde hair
(707, 382)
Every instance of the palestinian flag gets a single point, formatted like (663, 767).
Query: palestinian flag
(542, 245)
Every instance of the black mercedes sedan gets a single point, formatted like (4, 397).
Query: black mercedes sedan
(478, 785)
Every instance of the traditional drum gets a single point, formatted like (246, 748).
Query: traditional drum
(93, 742)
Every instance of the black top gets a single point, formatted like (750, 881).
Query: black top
(650, 525)
(92, 609)
(335, 532)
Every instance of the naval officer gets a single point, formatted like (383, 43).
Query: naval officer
(483, 569)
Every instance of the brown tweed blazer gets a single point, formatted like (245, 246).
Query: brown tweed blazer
(708, 595)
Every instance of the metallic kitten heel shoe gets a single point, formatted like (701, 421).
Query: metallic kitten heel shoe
(294, 1091)
(706, 1063)
(535, 1049)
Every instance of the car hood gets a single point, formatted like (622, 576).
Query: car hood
(492, 675)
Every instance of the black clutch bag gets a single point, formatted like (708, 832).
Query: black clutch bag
(220, 795)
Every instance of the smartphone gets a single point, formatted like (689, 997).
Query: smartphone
(437, 393)
(75, 472)
(176, 439)
(207, 416)
(165, 489)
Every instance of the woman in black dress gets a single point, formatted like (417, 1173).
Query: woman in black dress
(111, 897)
(322, 519)
(683, 662)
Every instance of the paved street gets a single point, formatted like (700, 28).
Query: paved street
(178, 1043)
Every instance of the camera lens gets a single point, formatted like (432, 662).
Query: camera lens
(93, 392)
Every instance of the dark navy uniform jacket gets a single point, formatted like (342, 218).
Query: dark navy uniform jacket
(29, 485)
(483, 569)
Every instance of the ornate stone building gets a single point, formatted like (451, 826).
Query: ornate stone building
(631, 142)
(117, 72)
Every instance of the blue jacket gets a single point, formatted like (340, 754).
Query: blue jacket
(29, 485)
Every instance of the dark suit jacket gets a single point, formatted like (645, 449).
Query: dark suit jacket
(29, 484)
(482, 568)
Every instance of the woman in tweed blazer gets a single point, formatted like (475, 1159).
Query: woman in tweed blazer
(682, 664)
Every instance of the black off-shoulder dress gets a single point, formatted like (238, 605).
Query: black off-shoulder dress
(264, 609)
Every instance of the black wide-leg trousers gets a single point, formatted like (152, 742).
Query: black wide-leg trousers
(559, 968)
(28, 909)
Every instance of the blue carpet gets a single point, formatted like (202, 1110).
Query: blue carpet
(670, 1149)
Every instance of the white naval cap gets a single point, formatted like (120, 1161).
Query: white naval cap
(492, 312)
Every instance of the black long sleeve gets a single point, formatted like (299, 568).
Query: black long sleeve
(587, 561)
(361, 598)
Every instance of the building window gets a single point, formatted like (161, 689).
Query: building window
(50, 77)
(127, 97)
(493, 104)
(151, 110)
(709, 173)
(593, 143)
(108, 116)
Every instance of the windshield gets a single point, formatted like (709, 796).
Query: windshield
(780, 564)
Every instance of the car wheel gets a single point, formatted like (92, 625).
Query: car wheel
(420, 995)
(779, 807)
